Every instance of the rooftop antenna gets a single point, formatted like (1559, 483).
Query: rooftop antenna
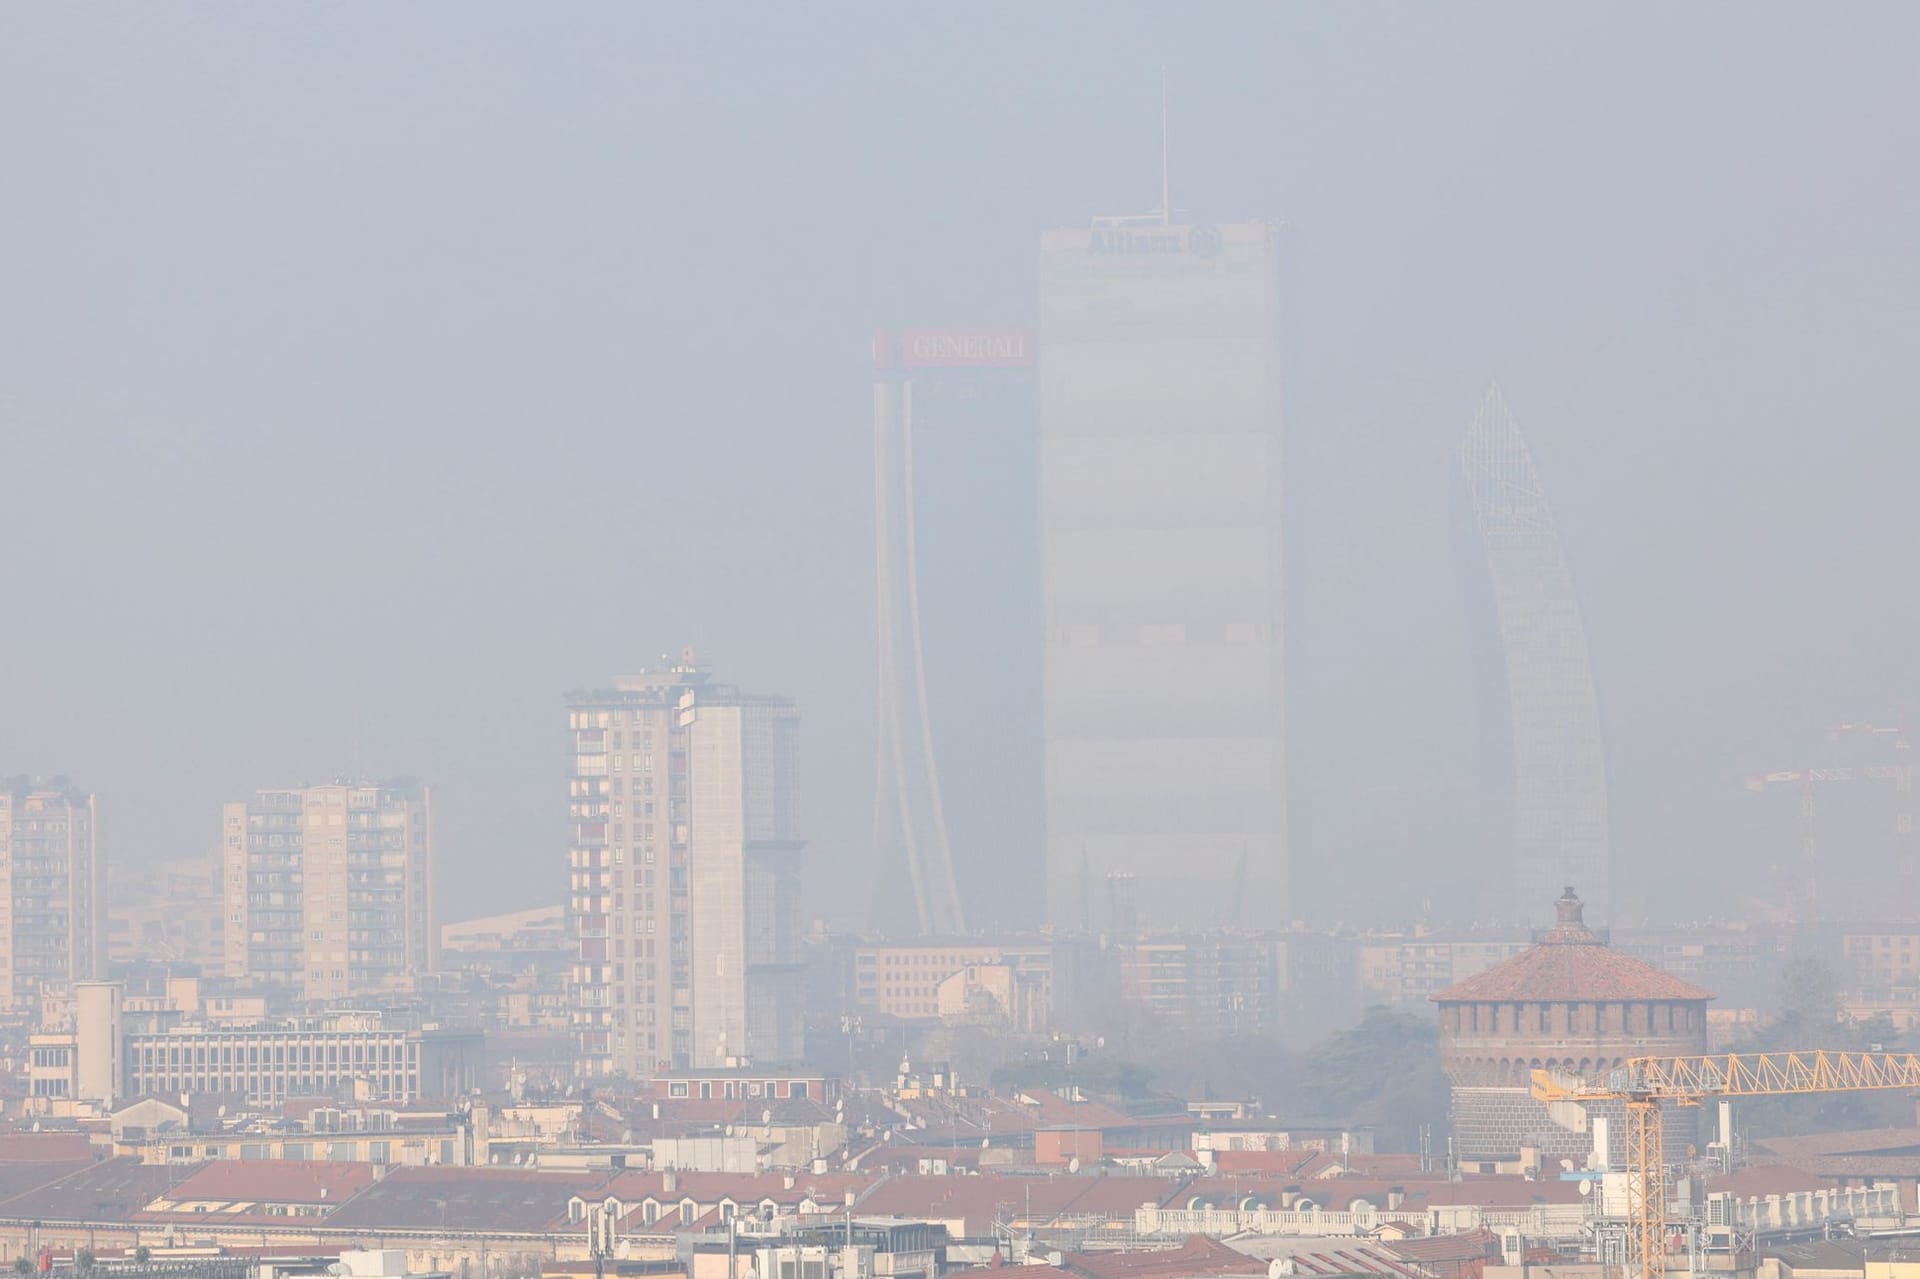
(1166, 192)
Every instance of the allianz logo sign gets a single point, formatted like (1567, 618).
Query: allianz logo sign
(1201, 241)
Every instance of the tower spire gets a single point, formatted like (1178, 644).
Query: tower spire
(1166, 187)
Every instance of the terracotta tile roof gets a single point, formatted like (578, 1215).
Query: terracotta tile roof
(1562, 971)
(451, 1198)
(43, 1147)
(1271, 1163)
(112, 1190)
(274, 1181)
(1570, 964)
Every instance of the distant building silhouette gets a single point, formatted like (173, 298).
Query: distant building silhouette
(1541, 716)
(329, 889)
(55, 925)
(1160, 503)
(957, 790)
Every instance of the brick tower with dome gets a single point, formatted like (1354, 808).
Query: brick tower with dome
(1569, 1002)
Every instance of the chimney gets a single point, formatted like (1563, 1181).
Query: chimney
(786, 1182)
(1396, 1195)
(669, 1183)
(1289, 1197)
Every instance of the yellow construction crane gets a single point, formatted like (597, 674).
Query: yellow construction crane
(1645, 1084)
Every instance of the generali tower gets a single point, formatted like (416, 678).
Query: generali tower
(1160, 500)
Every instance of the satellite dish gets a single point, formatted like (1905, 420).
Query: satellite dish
(1073, 1164)
(1586, 1187)
(766, 1116)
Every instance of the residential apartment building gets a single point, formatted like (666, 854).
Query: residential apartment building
(170, 913)
(1212, 983)
(328, 890)
(53, 914)
(685, 876)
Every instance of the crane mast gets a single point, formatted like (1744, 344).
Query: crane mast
(1646, 1084)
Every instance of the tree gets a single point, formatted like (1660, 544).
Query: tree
(143, 1254)
(1383, 1073)
(1809, 1019)
(1809, 993)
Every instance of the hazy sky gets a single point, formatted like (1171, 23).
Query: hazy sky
(372, 374)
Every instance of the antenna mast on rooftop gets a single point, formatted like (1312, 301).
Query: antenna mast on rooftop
(1166, 186)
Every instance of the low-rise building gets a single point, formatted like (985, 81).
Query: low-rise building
(1009, 980)
(352, 1056)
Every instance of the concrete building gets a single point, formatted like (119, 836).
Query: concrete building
(685, 886)
(171, 913)
(1160, 508)
(53, 912)
(347, 1056)
(1207, 983)
(329, 889)
(1570, 1002)
(113, 1053)
(982, 981)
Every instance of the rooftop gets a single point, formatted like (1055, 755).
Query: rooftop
(1570, 964)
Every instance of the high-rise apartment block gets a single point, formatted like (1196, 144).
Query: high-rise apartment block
(329, 889)
(1160, 510)
(685, 886)
(53, 910)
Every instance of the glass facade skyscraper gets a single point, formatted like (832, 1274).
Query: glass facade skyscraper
(1552, 775)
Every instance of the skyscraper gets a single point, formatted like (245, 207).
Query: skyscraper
(957, 812)
(685, 884)
(329, 889)
(53, 906)
(1547, 759)
(1160, 500)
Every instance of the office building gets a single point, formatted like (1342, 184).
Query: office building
(957, 804)
(328, 890)
(684, 902)
(1160, 508)
(1545, 757)
(53, 914)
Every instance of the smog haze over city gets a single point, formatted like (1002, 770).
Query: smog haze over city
(374, 375)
